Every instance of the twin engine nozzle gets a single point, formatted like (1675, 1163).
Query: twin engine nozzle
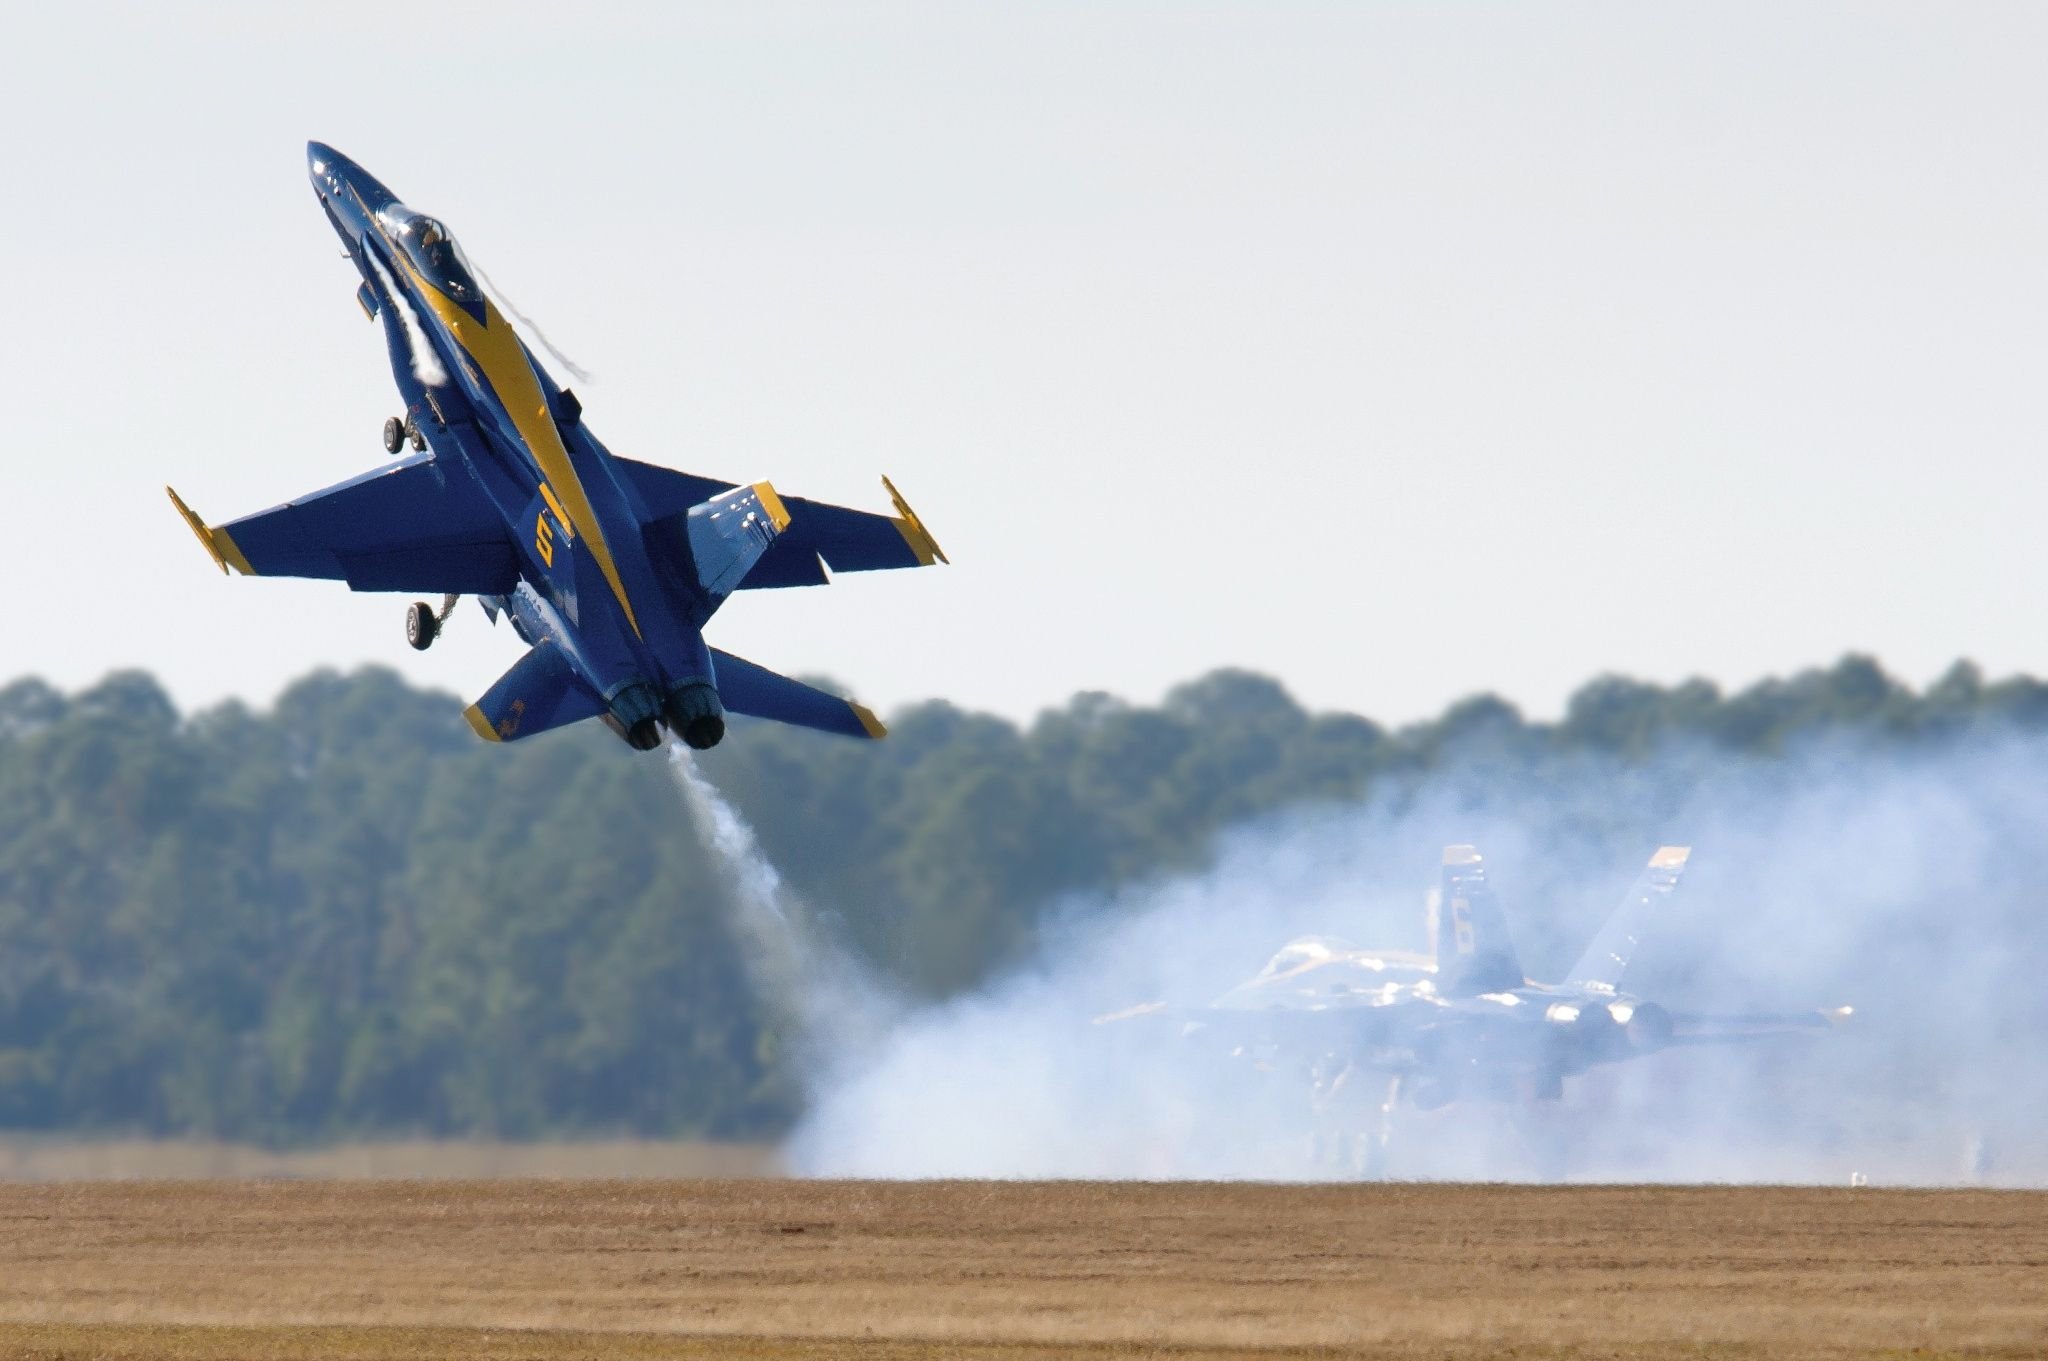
(695, 715)
(693, 712)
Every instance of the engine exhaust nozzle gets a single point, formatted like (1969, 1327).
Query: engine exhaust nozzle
(695, 715)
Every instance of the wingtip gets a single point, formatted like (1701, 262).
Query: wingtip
(1670, 857)
(198, 528)
(1461, 855)
(913, 531)
(871, 725)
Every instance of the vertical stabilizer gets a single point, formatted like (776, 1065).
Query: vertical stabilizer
(729, 533)
(1606, 960)
(1474, 953)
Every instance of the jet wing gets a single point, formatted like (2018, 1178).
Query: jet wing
(413, 527)
(1360, 1033)
(818, 535)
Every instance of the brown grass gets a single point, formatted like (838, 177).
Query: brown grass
(66, 1159)
(780, 1269)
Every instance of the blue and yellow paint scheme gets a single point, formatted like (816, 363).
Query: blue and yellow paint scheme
(609, 569)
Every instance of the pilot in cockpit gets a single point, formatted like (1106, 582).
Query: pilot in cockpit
(439, 260)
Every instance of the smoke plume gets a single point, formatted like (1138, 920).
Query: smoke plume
(1908, 880)
(831, 1002)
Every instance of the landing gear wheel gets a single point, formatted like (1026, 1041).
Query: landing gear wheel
(421, 627)
(418, 437)
(394, 435)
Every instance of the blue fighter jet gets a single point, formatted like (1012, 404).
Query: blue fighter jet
(1465, 1021)
(1461, 1023)
(608, 568)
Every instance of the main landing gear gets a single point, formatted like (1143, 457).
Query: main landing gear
(397, 430)
(423, 622)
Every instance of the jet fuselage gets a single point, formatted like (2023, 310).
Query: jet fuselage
(640, 648)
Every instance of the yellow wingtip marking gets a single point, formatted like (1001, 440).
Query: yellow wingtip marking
(475, 714)
(218, 543)
(1668, 856)
(1461, 855)
(199, 530)
(225, 542)
(913, 531)
(771, 501)
(868, 721)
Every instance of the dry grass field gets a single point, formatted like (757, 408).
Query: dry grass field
(66, 1159)
(781, 1268)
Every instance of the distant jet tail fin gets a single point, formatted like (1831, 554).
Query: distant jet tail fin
(541, 691)
(1474, 952)
(760, 693)
(1606, 960)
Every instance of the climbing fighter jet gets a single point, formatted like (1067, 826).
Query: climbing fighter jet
(608, 568)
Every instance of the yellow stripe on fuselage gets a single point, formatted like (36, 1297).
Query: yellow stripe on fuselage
(502, 359)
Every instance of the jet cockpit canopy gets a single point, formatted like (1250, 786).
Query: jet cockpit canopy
(435, 255)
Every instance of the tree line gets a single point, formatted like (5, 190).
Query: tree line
(342, 915)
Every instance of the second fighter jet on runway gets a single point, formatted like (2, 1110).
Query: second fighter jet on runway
(1465, 1021)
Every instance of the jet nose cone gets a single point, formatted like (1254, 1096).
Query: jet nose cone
(324, 166)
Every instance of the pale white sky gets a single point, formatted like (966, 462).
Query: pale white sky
(1400, 351)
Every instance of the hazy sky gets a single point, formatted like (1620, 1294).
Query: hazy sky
(1401, 351)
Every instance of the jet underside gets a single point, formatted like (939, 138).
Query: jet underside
(607, 568)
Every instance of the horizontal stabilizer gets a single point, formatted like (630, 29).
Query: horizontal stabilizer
(541, 691)
(409, 527)
(760, 693)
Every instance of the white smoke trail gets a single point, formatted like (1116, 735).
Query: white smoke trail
(426, 364)
(838, 1008)
(580, 374)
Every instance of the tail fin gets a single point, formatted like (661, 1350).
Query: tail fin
(1605, 962)
(1474, 952)
(540, 692)
(729, 533)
